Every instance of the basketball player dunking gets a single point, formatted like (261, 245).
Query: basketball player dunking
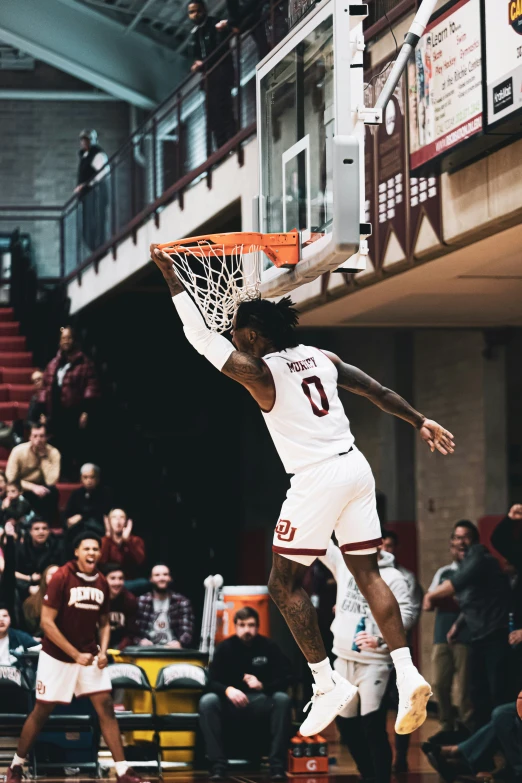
(332, 488)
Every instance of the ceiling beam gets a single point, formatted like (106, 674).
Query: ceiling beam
(93, 48)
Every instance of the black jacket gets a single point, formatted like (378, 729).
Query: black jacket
(483, 592)
(208, 44)
(507, 540)
(93, 505)
(34, 560)
(86, 171)
(263, 658)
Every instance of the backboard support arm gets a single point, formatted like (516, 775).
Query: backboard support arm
(374, 116)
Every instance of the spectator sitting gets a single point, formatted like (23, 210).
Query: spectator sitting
(450, 661)
(119, 546)
(123, 609)
(70, 389)
(249, 677)
(36, 466)
(164, 617)
(484, 596)
(89, 505)
(212, 53)
(36, 411)
(13, 643)
(32, 607)
(476, 754)
(16, 508)
(39, 549)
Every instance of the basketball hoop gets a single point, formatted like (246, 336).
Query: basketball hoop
(220, 271)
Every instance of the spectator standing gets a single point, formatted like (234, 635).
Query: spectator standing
(123, 609)
(88, 506)
(39, 549)
(249, 677)
(36, 467)
(507, 540)
(121, 547)
(70, 392)
(164, 617)
(450, 661)
(390, 544)
(484, 596)
(92, 188)
(13, 643)
(32, 606)
(213, 59)
(362, 723)
(244, 15)
(16, 508)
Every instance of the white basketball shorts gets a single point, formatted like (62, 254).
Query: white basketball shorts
(58, 681)
(337, 494)
(372, 681)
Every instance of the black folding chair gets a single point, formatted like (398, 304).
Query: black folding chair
(188, 682)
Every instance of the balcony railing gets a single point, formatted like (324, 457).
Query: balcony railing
(181, 142)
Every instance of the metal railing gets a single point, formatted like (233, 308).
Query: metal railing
(196, 128)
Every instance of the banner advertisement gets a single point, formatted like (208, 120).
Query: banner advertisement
(445, 97)
(503, 57)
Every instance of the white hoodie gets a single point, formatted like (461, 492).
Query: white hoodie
(352, 605)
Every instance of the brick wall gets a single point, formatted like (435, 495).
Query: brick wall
(39, 153)
(448, 382)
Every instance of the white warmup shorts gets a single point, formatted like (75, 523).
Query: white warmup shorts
(372, 681)
(338, 495)
(58, 681)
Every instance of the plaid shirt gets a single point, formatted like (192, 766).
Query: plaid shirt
(181, 617)
(80, 382)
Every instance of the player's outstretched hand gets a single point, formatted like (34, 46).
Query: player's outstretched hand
(84, 659)
(163, 261)
(437, 437)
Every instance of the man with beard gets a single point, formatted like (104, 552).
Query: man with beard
(73, 660)
(123, 608)
(164, 617)
(249, 676)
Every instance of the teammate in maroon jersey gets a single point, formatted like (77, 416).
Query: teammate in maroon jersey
(75, 622)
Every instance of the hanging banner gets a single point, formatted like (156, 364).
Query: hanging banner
(447, 97)
(503, 25)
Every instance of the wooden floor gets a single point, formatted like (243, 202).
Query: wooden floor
(342, 768)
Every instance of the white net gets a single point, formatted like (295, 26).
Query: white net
(218, 282)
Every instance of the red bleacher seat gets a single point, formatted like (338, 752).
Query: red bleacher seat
(19, 392)
(16, 375)
(12, 343)
(10, 411)
(18, 359)
(3, 463)
(9, 328)
(6, 314)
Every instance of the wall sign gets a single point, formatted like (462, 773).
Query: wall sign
(503, 27)
(445, 97)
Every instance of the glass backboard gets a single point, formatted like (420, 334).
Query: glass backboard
(308, 146)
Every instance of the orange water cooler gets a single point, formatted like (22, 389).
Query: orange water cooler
(235, 597)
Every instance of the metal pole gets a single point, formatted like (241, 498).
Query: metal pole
(416, 30)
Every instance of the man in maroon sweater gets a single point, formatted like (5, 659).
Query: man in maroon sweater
(73, 660)
(119, 546)
(123, 609)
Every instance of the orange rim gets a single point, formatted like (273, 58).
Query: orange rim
(282, 249)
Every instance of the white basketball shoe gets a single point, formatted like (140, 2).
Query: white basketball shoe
(414, 693)
(326, 706)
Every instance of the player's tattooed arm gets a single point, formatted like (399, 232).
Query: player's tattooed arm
(254, 374)
(164, 263)
(358, 382)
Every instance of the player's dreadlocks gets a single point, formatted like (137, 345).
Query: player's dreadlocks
(275, 321)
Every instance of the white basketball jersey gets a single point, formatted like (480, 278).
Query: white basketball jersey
(307, 422)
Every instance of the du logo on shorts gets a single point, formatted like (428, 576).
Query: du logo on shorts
(284, 530)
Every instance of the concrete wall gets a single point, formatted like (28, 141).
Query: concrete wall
(39, 151)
